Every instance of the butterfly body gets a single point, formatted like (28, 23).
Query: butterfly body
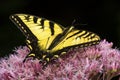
(48, 40)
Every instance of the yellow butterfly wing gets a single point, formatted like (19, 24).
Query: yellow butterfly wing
(36, 29)
(73, 37)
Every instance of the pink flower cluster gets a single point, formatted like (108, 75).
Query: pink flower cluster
(97, 62)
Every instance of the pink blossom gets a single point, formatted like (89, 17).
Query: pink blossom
(97, 62)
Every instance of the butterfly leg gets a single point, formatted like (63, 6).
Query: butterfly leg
(31, 54)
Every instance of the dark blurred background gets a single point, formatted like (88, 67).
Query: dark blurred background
(101, 17)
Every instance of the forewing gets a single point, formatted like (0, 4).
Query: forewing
(79, 38)
(37, 29)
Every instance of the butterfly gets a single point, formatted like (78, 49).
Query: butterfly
(49, 40)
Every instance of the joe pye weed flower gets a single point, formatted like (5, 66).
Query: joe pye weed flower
(97, 62)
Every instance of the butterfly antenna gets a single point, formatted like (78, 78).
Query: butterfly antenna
(74, 23)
